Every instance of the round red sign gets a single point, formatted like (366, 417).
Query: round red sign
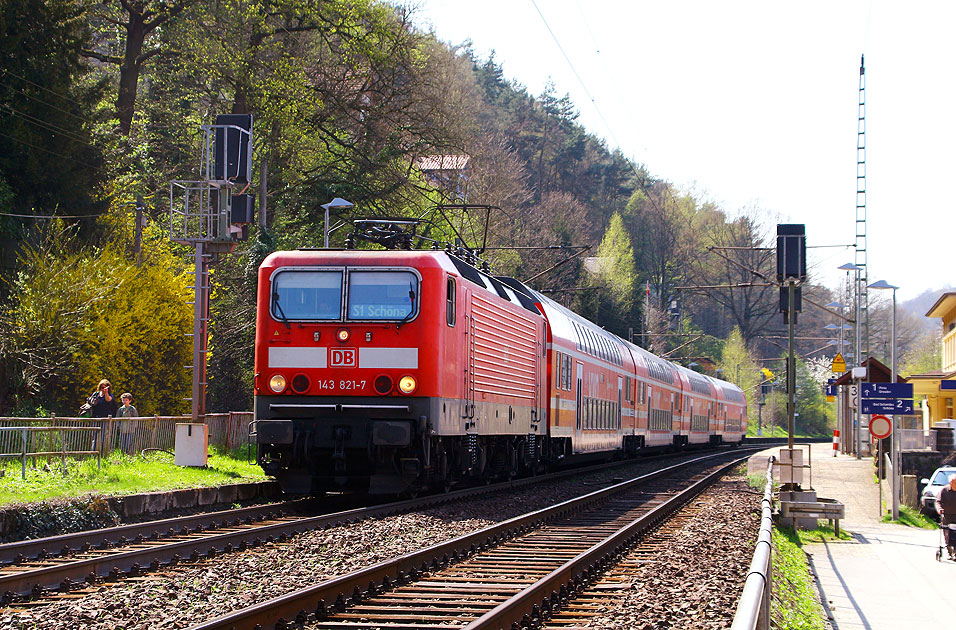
(880, 427)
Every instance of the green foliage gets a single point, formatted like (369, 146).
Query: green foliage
(47, 153)
(39, 520)
(79, 316)
(810, 403)
(739, 368)
(794, 605)
(924, 355)
(616, 264)
(613, 278)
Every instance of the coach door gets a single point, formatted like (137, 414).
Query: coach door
(468, 372)
(578, 402)
(620, 400)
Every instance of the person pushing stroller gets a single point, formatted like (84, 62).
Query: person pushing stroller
(947, 515)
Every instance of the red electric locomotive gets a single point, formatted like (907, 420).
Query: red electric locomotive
(391, 371)
(388, 370)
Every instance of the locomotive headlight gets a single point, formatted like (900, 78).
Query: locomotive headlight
(343, 334)
(407, 384)
(277, 383)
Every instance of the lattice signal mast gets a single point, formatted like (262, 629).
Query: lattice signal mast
(211, 214)
(861, 218)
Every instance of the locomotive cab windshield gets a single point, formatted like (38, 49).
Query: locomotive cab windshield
(369, 295)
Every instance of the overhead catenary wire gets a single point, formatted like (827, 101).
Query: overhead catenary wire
(42, 102)
(37, 85)
(33, 146)
(42, 124)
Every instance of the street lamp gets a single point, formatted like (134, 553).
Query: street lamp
(897, 438)
(336, 204)
(848, 267)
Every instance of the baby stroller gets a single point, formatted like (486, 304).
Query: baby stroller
(943, 540)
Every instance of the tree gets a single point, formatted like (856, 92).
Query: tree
(132, 25)
(48, 156)
(663, 228)
(809, 399)
(612, 276)
(78, 316)
(736, 272)
(923, 355)
(737, 366)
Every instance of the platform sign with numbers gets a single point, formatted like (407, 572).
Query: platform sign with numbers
(889, 405)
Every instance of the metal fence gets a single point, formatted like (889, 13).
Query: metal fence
(129, 435)
(49, 442)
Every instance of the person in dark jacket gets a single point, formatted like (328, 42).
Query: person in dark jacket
(947, 514)
(102, 402)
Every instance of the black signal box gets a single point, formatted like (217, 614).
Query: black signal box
(233, 148)
(791, 252)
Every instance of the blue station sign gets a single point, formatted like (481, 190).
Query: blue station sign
(886, 390)
(831, 387)
(887, 406)
(947, 384)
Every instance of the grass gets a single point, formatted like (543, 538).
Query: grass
(794, 605)
(779, 431)
(758, 481)
(121, 474)
(824, 533)
(911, 518)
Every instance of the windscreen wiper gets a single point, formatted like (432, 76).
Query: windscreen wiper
(275, 301)
(411, 307)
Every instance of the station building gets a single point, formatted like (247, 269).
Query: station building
(937, 389)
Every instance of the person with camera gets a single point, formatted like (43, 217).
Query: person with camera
(102, 402)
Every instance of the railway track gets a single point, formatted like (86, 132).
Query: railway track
(34, 571)
(518, 572)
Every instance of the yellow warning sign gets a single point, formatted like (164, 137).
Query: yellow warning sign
(839, 364)
(831, 398)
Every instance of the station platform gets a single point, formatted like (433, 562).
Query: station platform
(886, 577)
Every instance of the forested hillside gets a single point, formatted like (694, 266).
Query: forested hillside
(101, 103)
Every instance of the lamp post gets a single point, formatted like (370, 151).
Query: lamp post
(896, 446)
(336, 204)
(858, 428)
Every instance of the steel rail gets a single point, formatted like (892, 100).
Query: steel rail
(298, 606)
(40, 548)
(753, 608)
(528, 607)
(155, 554)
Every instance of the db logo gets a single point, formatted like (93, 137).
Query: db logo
(343, 357)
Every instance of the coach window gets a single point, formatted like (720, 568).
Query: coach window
(307, 295)
(450, 302)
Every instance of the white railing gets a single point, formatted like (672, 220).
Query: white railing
(753, 609)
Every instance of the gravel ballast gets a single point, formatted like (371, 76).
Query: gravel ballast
(200, 591)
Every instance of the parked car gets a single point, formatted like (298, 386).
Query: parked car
(934, 485)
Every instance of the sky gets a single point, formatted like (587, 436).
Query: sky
(756, 104)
